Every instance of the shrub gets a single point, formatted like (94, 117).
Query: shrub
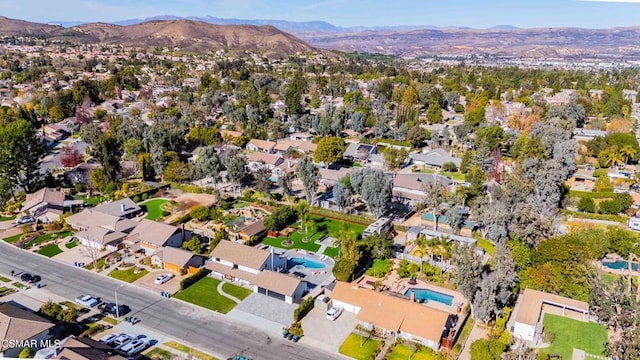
(145, 196)
(587, 205)
(599, 172)
(79, 187)
(303, 309)
(136, 199)
(343, 269)
(610, 207)
(449, 166)
(280, 217)
(458, 108)
(92, 331)
(199, 213)
(296, 329)
(407, 269)
(188, 281)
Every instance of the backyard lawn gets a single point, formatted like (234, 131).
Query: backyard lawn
(485, 245)
(380, 268)
(154, 208)
(45, 237)
(236, 291)
(351, 347)
(128, 275)
(570, 333)
(453, 175)
(331, 252)
(331, 227)
(92, 201)
(50, 250)
(403, 352)
(205, 293)
(296, 238)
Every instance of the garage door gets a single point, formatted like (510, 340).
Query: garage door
(262, 291)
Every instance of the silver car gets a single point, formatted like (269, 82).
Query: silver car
(334, 313)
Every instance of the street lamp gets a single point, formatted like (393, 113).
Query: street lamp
(117, 307)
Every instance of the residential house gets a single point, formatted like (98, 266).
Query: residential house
(99, 230)
(285, 167)
(630, 95)
(284, 146)
(45, 204)
(532, 306)
(176, 260)
(258, 160)
(80, 348)
(229, 135)
(80, 174)
(359, 152)
(434, 158)
(581, 134)
(21, 326)
(149, 236)
(330, 176)
(410, 188)
(395, 316)
(253, 230)
(123, 208)
(193, 156)
(261, 145)
(256, 268)
(301, 136)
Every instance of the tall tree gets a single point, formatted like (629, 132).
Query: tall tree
(468, 269)
(341, 195)
(374, 187)
(309, 174)
(236, 164)
(20, 154)
(329, 150)
(107, 152)
(437, 195)
(208, 164)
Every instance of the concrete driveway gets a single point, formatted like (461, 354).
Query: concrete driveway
(324, 333)
(148, 281)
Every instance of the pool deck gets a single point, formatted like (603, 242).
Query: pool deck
(317, 277)
(609, 258)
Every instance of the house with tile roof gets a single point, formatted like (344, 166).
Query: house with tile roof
(261, 145)
(46, 204)
(99, 230)
(410, 188)
(22, 326)
(176, 260)
(148, 236)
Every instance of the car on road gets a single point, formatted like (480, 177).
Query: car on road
(133, 347)
(24, 220)
(108, 339)
(334, 312)
(163, 278)
(110, 308)
(87, 300)
(122, 340)
(30, 279)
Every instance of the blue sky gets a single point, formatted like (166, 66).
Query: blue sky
(472, 13)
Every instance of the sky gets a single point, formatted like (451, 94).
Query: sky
(468, 13)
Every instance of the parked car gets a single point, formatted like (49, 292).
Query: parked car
(334, 313)
(163, 278)
(122, 340)
(108, 339)
(110, 308)
(24, 220)
(31, 279)
(134, 347)
(87, 300)
(35, 279)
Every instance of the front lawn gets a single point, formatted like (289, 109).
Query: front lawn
(205, 293)
(73, 243)
(45, 237)
(154, 209)
(352, 348)
(50, 250)
(485, 245)
(12, 239)
(570, 333)
(7, 218)
(380, 268)
(403, 352)
(192, 352)
(129, 275)
(236, 291)
(158, 354)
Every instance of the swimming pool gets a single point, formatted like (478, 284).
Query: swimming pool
(308, 263)
(620, 265)
(430, 295)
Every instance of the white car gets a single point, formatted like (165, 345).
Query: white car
(334, 312)
(163, 278)
(121, 340)
(134, 347)
(108, 339)
(87, 300)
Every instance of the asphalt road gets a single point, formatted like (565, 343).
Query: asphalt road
(191, 325)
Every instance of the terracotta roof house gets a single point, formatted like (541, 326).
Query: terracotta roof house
(434, 158)
(176, 260)
(230, 134)
(531, 308)
(151, 235)
(45, 204)
(19, 324)
(256, 268)
(124, 208)
(393, 315)
(255, 229)
(261, 145)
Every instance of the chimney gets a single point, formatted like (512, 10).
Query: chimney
(122, 208)
(290, 164)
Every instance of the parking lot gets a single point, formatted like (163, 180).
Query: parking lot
(148, 281)
(324, 333)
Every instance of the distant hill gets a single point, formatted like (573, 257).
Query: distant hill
(184, 34)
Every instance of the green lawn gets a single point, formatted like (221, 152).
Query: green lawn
(380, 268)
(158, 354)
(128, 275)
(296, 237)
(331, 227)
(331, 252)
(402, 352)
(12, 239)
(205, 293)
(240, 204)
(18, 285)
(45, 237)
(351, 347)
(71, 245)
(5, 291)
(4, 279)
(570, 333)
(50, 250)
(7, 218)
(194, 354)
(154, 208)
(92, 201)
(485, 245)
(236, 291)
(453, 175)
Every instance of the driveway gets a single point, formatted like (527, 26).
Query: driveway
(264, 312)
(148, 281)
(75, 254)
(324, 333)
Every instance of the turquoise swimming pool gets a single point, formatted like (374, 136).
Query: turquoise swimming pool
(308, 263)
(620, 265)
(423, 295)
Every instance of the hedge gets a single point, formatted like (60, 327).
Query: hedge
(591, 195)
(92, 331)
(336, 215)
(186, 282)
(303, 309)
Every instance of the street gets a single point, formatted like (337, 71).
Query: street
(191, 325)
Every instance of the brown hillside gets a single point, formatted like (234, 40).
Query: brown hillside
(21, 27)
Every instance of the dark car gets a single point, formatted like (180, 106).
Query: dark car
(110, 308)
(35, 279)
(26, 277)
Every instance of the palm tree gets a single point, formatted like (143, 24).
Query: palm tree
(628, 151)
(423, 248)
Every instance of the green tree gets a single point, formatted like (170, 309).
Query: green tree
(199, 213)
(434, 114)
(586, 204)
(329, 150)
(20, 154)
(176, 171)
(394, 157)
(194, 245)
(409, 97)
(603, 184)
(293, 94)
(107, 152)
(416, 136)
